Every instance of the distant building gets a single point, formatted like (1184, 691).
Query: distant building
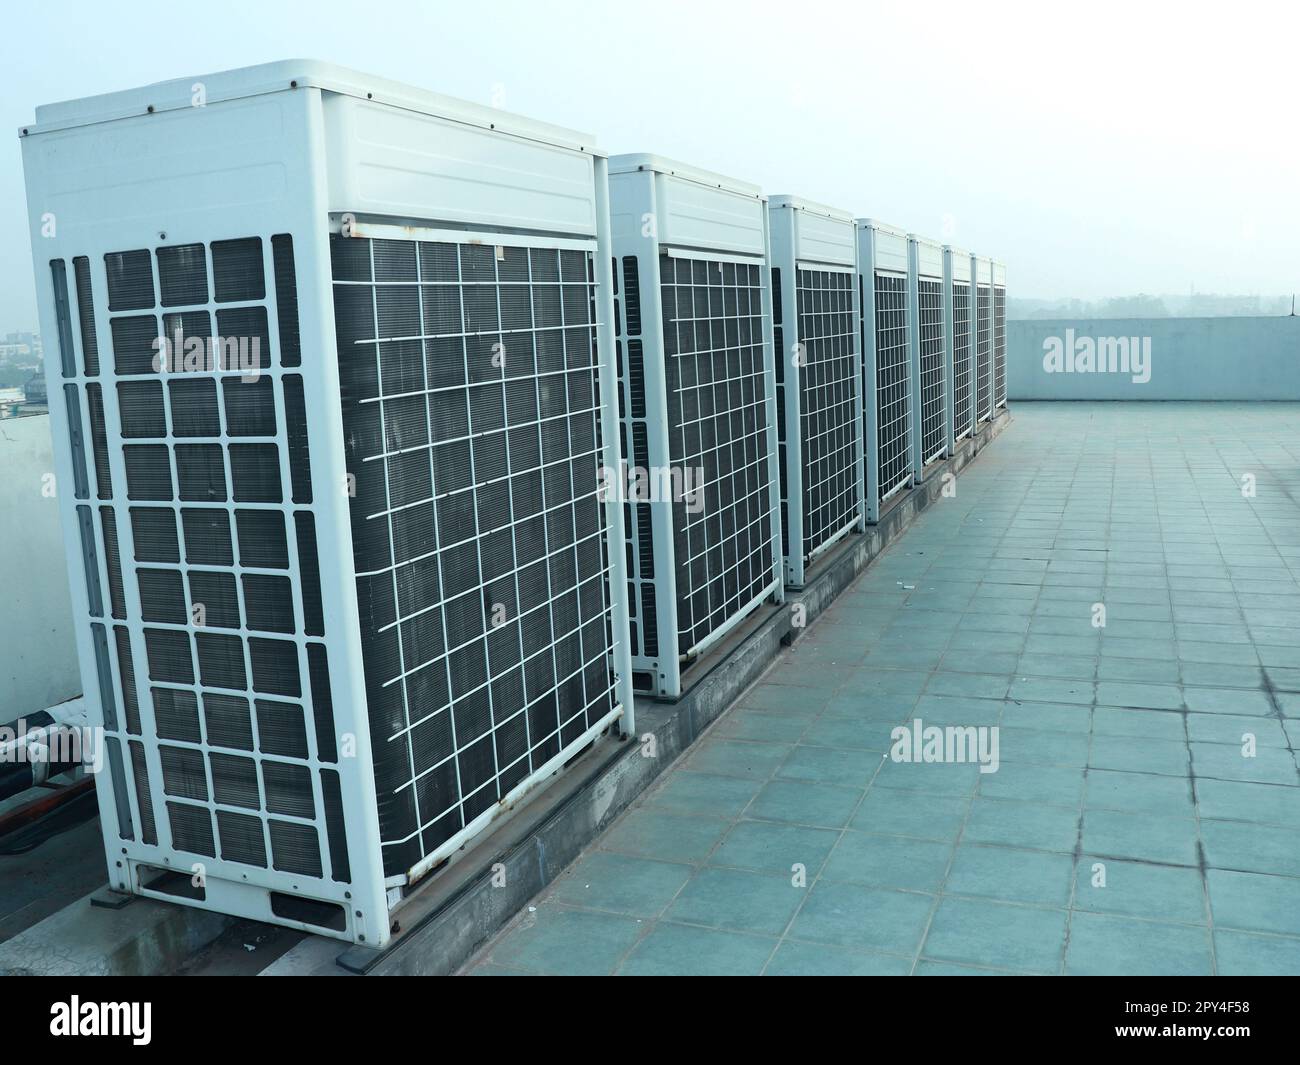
(26, 402)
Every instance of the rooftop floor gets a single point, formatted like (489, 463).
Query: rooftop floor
(1125, 757)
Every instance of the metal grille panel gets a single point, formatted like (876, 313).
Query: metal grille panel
(201, 423)
(782, 355)
(827, 409)
(930, 317)
(893, 383)
(984, 352)
(961, 403)
(471, 410)
(999, 346)
(717, 424)
(643, 614)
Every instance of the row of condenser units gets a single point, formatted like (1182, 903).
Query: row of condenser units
(400, 440)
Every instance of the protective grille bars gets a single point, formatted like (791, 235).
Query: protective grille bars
(999, 334)
(929, 353)
(348, 576)
(959, 309)
(882, 269)
(981, 270)
(819, 379)
(471, 405)
(699, 410)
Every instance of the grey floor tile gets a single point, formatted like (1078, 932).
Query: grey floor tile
(1232, 800)
(685, 791)
(564, 942)
(888, 861)
(1140, 889)
(737, 900)
(1033, 826)
(773, 848)
(1251, 847)
(620, 883)
(1055, 785)
(1134, 754)
(1248, 954)
(1228, 701)
(997, 934)
(1169, 796)
(652, 833)
(1106, 945)
(684, 950)
(1254, 902)
(805, 803)
(795, 958)
(1143, 837)
(850, 915)
(1268, 765)
(738, 758)
(889, 811)
(828, 765)
(1011, 875)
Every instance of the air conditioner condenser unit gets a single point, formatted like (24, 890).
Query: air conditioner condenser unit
(887, 363)
(960, 313)
(982, 272)
(928, 327)
(999, 272)
(335, 367)
(818, 379)
(698, 409)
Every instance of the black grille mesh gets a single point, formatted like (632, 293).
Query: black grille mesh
(983, 352)
(999, 345)
(961, 382)
(893, 383)
(827, 407)
(471, 413)
(643, 614)
(782, 442)
(930, 318)
(717, 424)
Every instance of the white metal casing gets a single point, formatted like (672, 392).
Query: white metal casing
(882, 253)
(294, 149)
(813, 279)
(666, 213)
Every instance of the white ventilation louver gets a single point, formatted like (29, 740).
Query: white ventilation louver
(886, 362)
(818, 379)
(960, 311)
(982, 272)
(698, 408)
(343, 600)
(999, 272)
(929, 347)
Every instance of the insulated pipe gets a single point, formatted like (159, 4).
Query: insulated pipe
(17, 777)
(14, 731)
(37, 747)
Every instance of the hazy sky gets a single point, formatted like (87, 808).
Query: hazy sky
(1097, 150)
